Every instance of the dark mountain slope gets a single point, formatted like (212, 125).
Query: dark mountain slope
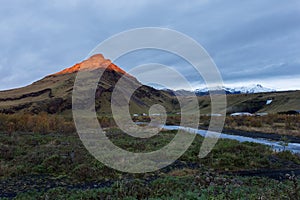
(53, 94)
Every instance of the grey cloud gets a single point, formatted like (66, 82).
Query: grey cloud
(41, 37)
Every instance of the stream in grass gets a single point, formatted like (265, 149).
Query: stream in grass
(276, 145)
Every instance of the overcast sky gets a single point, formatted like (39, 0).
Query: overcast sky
(254, 41)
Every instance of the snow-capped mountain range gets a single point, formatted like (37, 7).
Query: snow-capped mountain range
(256, 88)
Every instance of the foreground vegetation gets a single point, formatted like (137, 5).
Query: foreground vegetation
(204, 186)
(282, 124)
(272, 123)
(41, 157)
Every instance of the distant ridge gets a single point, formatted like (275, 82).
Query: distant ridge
(251, 89)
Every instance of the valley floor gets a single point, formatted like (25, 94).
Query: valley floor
(39, 166)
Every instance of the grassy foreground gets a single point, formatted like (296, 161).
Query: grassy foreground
(36, 166)
(186, 187)
(42, 161)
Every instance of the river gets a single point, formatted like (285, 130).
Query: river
(276, 145)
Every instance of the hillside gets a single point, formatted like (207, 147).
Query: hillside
(257, 103)
(53, 94)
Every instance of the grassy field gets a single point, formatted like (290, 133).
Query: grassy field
(40, 161)
(281, 124)
(273, 123)
(281, 102)
(202, 186)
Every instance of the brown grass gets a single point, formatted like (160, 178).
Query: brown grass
(42, 123)
(274, 123)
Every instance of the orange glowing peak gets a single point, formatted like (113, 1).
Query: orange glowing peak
(96, 61)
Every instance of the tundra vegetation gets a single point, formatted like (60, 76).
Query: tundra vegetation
(42, 157)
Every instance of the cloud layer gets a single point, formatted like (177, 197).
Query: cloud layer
(249, 40)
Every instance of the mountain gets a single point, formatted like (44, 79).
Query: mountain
(179, 92)
(251, 89)
(95, 62)
(53, 93)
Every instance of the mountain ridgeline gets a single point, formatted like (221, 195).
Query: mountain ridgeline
(251, 89)
(53, 94)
